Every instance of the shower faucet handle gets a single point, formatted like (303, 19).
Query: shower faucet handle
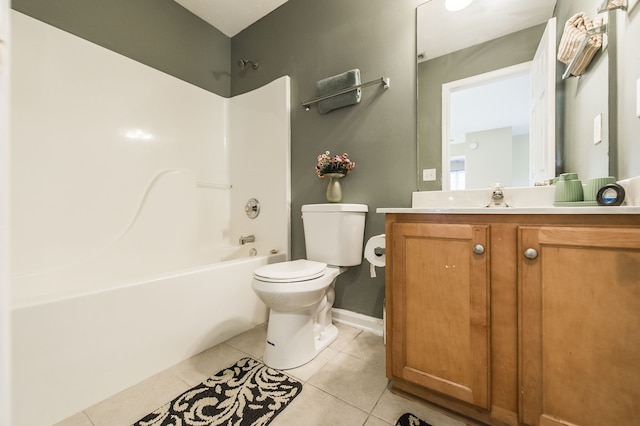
(252, 208)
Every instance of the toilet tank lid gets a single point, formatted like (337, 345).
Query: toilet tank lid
(335, 207)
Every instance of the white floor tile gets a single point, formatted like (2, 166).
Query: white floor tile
(346, 335)
(79, 419)
(314, 407)
(368, 347)
(374, 421)
(345, 385)
(251, 342)
(133, 403)
(353, 380)
(200, 367)
(306, 371)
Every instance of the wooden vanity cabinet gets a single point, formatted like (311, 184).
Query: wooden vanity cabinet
(580, 326)
(476, 327)
(442, 310)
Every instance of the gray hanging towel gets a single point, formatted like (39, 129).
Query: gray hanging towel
(335, 83)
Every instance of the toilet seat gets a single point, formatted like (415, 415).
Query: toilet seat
(287, 272)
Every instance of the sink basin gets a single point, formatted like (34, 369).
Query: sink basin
(534, 196)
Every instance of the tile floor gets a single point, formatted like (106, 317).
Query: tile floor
(345, 385)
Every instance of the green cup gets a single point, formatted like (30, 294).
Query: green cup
(569, 188)
(569, 176)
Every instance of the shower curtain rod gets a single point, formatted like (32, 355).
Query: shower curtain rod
(382, 80)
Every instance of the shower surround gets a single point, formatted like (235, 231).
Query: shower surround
(128, 192)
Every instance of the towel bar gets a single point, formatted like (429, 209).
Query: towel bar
(382, 80)
(608, 5)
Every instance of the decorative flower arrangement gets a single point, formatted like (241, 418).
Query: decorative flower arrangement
(328, 164)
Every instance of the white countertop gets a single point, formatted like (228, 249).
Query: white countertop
(523, 200)
(513, 210)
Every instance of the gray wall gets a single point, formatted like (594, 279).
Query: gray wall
(502, 52)
(580, 100)
(307, 40)
(608, 86)
(158, 33)
(310, 40)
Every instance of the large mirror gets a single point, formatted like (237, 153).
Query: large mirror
(474, 96)
(474, 106)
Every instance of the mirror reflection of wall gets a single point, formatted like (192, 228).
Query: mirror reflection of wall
(581, 99)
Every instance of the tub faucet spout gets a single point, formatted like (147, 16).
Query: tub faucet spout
(247, 239)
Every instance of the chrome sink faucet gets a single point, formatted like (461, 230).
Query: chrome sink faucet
(497, 196)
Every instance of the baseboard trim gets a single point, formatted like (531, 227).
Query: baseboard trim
(354, 319)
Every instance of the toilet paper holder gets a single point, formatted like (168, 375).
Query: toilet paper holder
(375, 253)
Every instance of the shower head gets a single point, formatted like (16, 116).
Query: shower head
(242, 63)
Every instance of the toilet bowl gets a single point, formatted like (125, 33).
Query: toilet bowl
(300, 293)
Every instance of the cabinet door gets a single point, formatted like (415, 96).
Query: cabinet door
(440, 311)
(580, 326)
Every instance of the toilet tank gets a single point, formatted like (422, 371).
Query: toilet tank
(334, 233)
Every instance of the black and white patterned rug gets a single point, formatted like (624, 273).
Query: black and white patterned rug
(408, 419)
(246, 394)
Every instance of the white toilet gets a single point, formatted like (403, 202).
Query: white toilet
(300, 293)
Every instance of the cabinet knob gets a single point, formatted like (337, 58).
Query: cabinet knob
(478, 249)
(531, 253)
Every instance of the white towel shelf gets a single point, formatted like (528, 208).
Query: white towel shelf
(606, 6)
(384, 81)
(598, 30)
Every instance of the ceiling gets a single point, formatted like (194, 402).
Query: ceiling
(441, 32)
(231, 16)
(483, 20)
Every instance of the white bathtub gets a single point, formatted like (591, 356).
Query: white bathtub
(73, 352)
(130, 179)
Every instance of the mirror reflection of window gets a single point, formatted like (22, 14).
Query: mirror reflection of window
(456, 172)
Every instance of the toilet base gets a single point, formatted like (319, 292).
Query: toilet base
(295, 338)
